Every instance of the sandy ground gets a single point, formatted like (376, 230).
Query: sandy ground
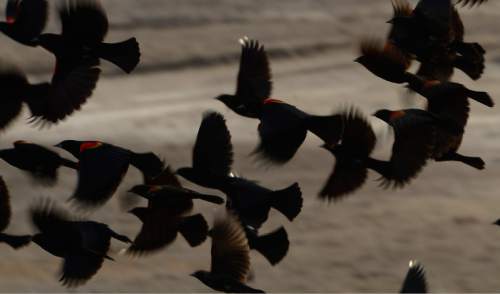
(362, 244)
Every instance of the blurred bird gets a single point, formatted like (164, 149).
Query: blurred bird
(84, 28)
(434, 33)
(102, 167)
(47, 102)
(230, 263)
(415, 281)
(273, 246)
(82, 244)
(283, 127)
(161, 222)
(25, 20)
(15, 242)
(211, 168)
(41, 163)
(254, 83)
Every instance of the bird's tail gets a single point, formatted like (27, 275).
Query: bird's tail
(475, 162)
(15, 242)
(273, 246)
(288, 201)
(473, 68)
(209, 198)
(148, 163)
(481, 97)
(328, 128)
(194, 229)
(126, 55)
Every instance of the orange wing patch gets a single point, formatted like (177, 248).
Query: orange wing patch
(90, 145)
(153, 189)
(431, 83)
(397, 115)
(272, 101)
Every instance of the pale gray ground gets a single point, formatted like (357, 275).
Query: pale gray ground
(362, 244)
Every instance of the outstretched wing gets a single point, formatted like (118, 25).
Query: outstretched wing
(13, 83)
(254, 78)
(79, 267)
(415, 281)
(230, 250)
(213, 151)
(83, 21)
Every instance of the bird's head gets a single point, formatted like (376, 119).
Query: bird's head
(384, 115)
(71, 146)
(226, 99)
(363, 60)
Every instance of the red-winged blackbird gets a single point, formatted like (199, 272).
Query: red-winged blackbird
(415, 281)
(273, 246)
(84, 27)
(389, 64)
(230, 263)
(47, 102)
(82, 244)
(25, 20)
(413, 144)
(283, 127)
(254, 84)
(471, 2)
(164, 217)
(38, 161)
(102, 167)
(212, 159)
(15, 242)
(434, 33)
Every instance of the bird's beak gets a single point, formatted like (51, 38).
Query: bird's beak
(58, 145)
(357, 59)
(391, 21)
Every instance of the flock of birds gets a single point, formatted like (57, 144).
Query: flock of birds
(431, 33)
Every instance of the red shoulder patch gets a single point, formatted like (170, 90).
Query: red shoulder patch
(89, 145)
(10, 20)
(397, 115)
(431, 83)
(153, 189)
(272, 101)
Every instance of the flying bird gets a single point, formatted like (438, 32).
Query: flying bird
(25, 20)
(230, 262)
(41, 163)
(84, 28)
(83, 245)
(283, 127)
(415, 281)
(434, 33)
(211, 168)
(48, 103)
(15, 242)
(102, 167)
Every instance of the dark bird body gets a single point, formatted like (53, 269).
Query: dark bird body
(102, 167)
(37, 160)
(230, 262)
(84, 28)
(82, 244)
(212, 160)
(13, 241)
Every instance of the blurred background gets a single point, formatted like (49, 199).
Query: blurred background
(190, 54)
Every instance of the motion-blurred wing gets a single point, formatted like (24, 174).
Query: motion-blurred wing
(230, 250)
(13, 84)
(5, 212)
(79, 267)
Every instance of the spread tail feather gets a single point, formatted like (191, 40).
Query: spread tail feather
(288, 201)
(475, 162)
(273, 246)
(126, 55)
